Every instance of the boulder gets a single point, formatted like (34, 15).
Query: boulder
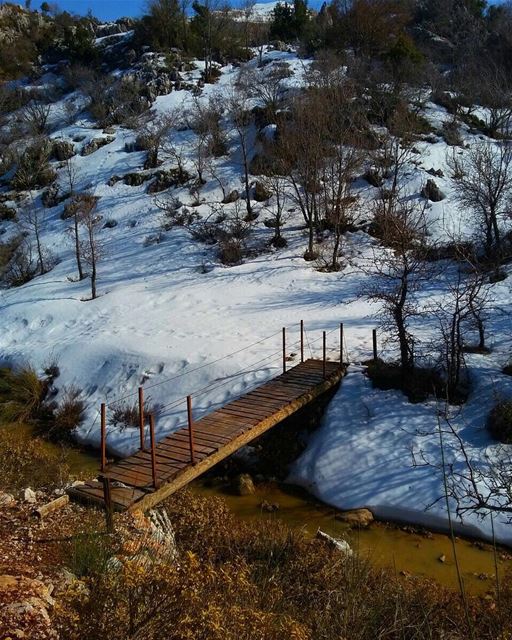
(63, 150)
(261, 193)
(6, 500)
(232, 196)
(243, 485)
(337, 543)
(432, 192)
(356, 517)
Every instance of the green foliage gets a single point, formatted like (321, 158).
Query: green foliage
(164, 27)
(89, 554)
(289, 22)
(499, 422)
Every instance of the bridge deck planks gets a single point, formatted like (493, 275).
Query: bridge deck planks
(216, 436)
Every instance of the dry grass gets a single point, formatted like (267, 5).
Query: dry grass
(264, 581)
(22, 395)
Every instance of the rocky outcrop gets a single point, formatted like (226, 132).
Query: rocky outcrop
(95, 144)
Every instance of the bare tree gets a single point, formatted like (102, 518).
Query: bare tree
(242, 119)
(482, 178)
(32, 220)
(153, 134)
(277, 186)
(398, 274)
(269, 87)
(71, 174)
(91, 247)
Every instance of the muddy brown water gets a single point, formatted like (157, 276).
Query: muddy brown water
(385, 544)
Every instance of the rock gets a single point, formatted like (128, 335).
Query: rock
(261, 193)
(233, 196)
(442, 558)
(26, 605)
(63, 150)
(243, 485)
(136, 179)
(438, 173)
(337, 543)
(356, 517)
(269, 507)
(432, 192)
(373, 177)
(95, 144)
(6, 500)
(29, 496)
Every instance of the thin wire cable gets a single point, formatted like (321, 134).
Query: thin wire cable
(184, 373)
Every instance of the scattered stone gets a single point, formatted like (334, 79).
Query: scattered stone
(356, 517)
(29, 496)
(269, 507)
(438, 173)
(442, 558)
(337, 543)
(432, 192)
(243, 485)
(6, 500)
(110, 224)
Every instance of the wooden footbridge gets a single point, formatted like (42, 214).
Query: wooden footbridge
(147, 477)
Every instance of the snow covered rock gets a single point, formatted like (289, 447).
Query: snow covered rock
(432, 192)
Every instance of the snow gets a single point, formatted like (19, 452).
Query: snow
(168, 313)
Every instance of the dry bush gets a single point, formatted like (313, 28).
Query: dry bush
(125, 415)
(33, 169)
(29, 463)
(67, 416)
(499, 422)
(236, 580)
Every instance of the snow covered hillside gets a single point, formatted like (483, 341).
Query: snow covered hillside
(168, 310)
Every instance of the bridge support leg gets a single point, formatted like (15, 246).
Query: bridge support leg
(153, 445)
(324, 337)
(341, 343)
(374, 337)
(141, 418)
(107, 498)
(284, 349)
(103, 436)
(190, 429)
(302, 340)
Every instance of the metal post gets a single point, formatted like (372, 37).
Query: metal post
(141, 418)
(341, 343)
(302, 340)
(153, 457)
(374, 336)
(325, 351)
(107, 497)
(103, 436)
(190, 429)
(284, 349)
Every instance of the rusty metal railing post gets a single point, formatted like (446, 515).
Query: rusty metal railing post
(153, 445)
(103, 436)
(190, 429)
(141, 418)
(374, 337)
(302, 340)
(341, 343)
(107, 498)
(284, 349)
(324, 340)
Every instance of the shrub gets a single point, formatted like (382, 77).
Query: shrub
(230, 251)
(89, 555)
(22, 395)
(499, 422)
(23, 265)
(126, 416)
(33, 169)
(67, 416)
(418, 384)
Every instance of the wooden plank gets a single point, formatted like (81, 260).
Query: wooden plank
(183, 445)
(206, 441)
